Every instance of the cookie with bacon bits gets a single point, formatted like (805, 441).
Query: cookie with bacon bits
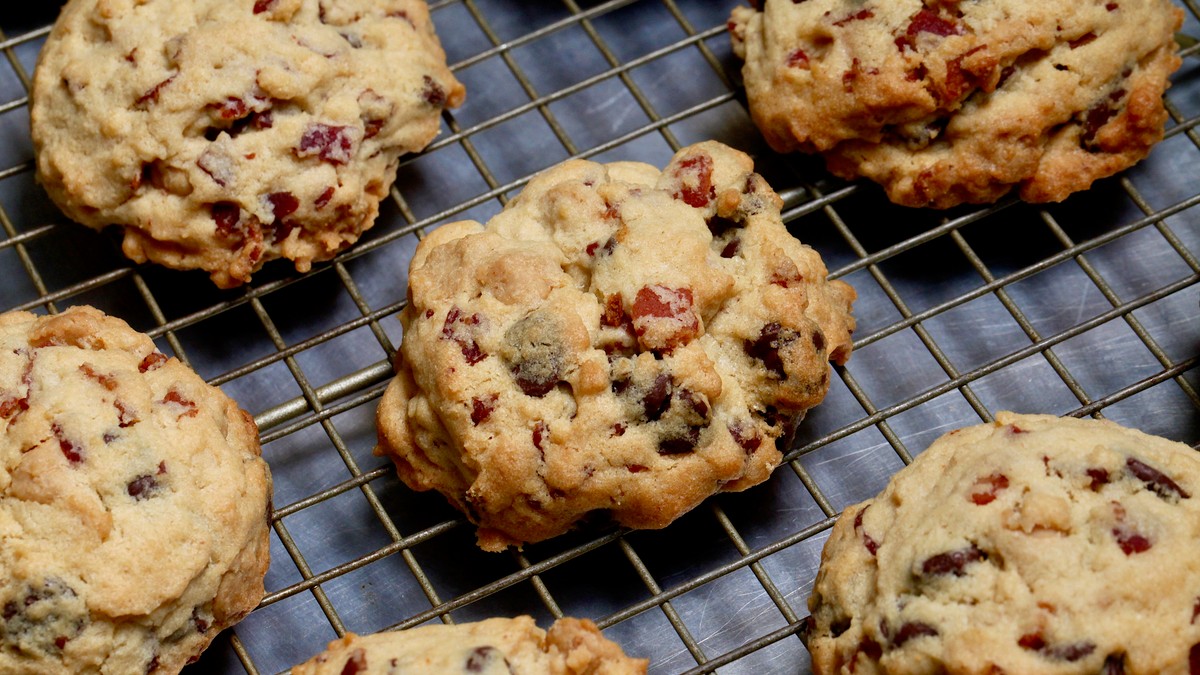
(220, 134)
(133, 501)
(950, 102)
(619, 343)
(1033, 544)
(493, 647)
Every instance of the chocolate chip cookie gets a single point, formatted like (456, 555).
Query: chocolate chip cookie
(620, 342)
(221, 134)
(133, 501)
(1030, 545)
(493, 646)
(948, 102)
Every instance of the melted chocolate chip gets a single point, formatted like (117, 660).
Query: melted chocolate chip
(657, 397)
(767, 346)
(1114, 664)
(912, 630)
(535, 353)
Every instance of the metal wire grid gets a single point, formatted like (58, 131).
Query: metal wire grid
(961, 314)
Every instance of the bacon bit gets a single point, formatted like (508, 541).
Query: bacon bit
(372, 127)
(609, 247)
(985, 488)
(798, 59)
(1032, 641)
(125, 416)
(1130, 541)
(458, 328)
(614, 312)
(540, 430)
(1112, 6)
(619, 430)
(656, 304)
(13, 405)
(153, 361)
(263, 120)
(227, 216)
(323, 199)
(232, 108)
(731, 249)
(283, 204)
(331, 143)
(142, 487)
(748, 441)
(1068, 652)
(958, 80)
(858, 16)
(73, 454)
(1195, 611)
(356, 663)
(1081, 40)
(261, 6)
(1014, 429)
(432, 92)
(151, 96)
(926, 21)
(105, 380)
(174, 398)
(695, 181)
(1099, 478)
(481, 409)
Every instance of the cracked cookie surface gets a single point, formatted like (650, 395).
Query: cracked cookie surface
(223, 134)
(133, 501)
(619, 342)
(950, 102)
(1030, 545)
(492, 647)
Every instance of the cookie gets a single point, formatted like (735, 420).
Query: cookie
(1030, 545)
(133, 501)
(618, 343)
(951, 102)
(492, 647)
(221, 134)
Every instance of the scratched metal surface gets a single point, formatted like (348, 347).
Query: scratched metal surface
(1089, 307)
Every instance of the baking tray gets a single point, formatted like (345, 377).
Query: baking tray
(1089, 307)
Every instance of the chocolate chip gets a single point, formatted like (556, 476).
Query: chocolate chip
(912, 630)
(657, 397)
(1155, 480)
(680, 445)
(432, 92)
(483, 657)
(1114, 664)
(766, 347)
(1099, 479)
(143, 487)
(535, 352)
(952, 562)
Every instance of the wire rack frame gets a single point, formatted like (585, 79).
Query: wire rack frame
(814, 202)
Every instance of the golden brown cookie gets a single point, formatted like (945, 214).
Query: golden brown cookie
(619, 341)
(951, 102)
(489, 647)
(1030, 545)
(221, 134)
(133, 501)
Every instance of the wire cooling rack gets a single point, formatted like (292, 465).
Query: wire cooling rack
(1089, 307)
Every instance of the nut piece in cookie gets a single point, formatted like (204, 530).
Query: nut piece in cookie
(951, 102)
(619, 342)
(220, 134)
(517, 645)
(1033, 544)
(133, 501)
